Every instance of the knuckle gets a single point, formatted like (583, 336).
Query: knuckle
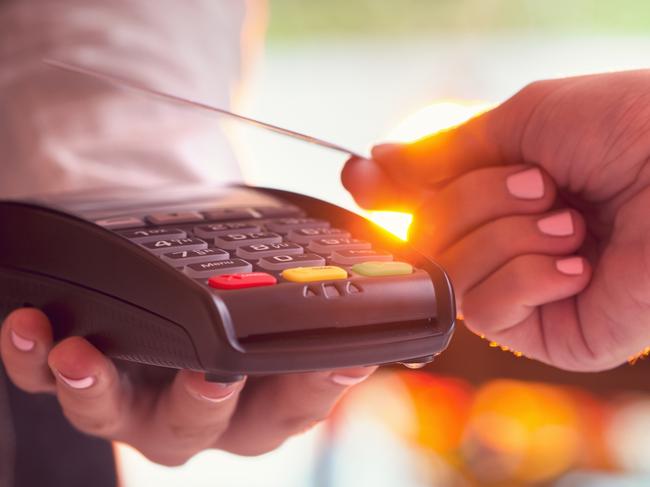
(463, 193)
(30, 381)
(190, 435)
(105, 427)
(532, 91)
(505, 235)
(518, 269)
(32, 387)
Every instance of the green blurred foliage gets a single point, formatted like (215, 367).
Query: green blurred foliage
(389, 18)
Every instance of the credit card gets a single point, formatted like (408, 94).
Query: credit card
(121, 83)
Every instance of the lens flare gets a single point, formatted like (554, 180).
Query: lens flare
(439, 115)
(395, 222)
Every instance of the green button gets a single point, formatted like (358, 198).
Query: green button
(380, 269)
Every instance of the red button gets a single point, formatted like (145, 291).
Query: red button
(241, 281)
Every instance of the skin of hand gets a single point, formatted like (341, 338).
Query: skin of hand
(170, 418)
(591, 136)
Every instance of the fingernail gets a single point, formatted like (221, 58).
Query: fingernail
(219, 392)
(573, 266)
(526, 185)
(83, 383)
(346, 380)
(217, 399)
(558, 225)
(385, 151)
(22, 343)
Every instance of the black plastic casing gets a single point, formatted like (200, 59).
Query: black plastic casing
(94, 283)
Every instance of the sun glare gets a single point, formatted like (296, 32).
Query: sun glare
(438, 116)
(395, 222)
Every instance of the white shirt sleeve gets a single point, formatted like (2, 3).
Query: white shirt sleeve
(60, 131)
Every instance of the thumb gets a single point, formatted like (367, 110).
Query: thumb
(372, 187)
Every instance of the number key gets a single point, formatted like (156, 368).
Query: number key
(217, 229)
(185, 257)
(285, 225)
(306, 235)
(153, 234)
(329, 245)
(258, 251)
(234, 240)
(175, 245)
(281, 262)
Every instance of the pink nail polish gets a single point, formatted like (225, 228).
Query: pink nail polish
(21, 343)
(217, 391)
(526, 185)
(573, 266)
(217, 399)
(83, 383)
(558, 225)
(346, 380)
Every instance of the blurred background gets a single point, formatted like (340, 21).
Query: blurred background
(361, 71)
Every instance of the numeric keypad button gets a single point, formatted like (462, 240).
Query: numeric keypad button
(176, 217)
(160, 247)
(217, 229)
(282, 262)
(233, 240)
(153, 234)
(185, 257)
(225, 214)
(259, 251)
(206, 270)
(306, 235)
(357, 256)
(285, 225)
(329, 245)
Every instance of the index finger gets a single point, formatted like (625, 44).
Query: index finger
(399, 176)
(493, 138)
(445, 154)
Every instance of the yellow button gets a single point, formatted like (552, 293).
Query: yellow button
(318, 273)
